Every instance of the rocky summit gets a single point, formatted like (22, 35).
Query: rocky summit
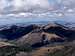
(37, 40)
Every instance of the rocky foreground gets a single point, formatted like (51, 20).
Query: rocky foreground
(37, 40)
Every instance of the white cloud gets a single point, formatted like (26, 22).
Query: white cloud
(13, 6)
(36, 7)
(16, 6)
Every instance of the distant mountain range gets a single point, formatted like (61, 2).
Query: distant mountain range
(18, 30)
(32, 39)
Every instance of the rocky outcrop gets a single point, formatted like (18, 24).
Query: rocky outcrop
(47, 34)
(50, 39)
(38, 35)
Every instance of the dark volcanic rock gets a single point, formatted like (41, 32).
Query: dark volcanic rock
(16, 31)
(38, 35)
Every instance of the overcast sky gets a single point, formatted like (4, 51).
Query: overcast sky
(36, 8)
(9, 6)
(27, 5)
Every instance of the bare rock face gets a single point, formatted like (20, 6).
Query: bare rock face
(46, 34)
(39, 37)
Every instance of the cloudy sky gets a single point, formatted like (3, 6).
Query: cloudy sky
(36, 8)
(10, 6)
